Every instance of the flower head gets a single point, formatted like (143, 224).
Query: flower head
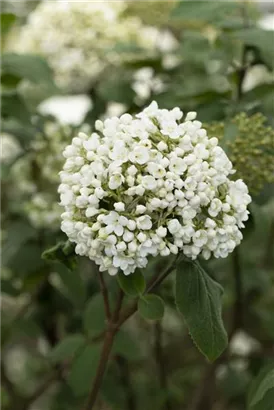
(139, 191)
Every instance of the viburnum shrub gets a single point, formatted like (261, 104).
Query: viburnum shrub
(150, 184)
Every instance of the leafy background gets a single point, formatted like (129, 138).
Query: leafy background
(52, 310)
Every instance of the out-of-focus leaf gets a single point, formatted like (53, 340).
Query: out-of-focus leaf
(10, 80)
(30, 67)
(83, 370)
(261, 391)
(94, 315)
(74, 285)
(18, 233)
(258, 93)
(8, 288)
(13, 106)
(117, 87)
(262, 39)
(7, 21)
(151, 307)
(198, 298)
(23, 133)
(125, 346)
(205, 12)
(27, 260)
(133, 284)
(67, 348)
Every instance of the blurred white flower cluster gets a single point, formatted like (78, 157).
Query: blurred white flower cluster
(79, 38)
(35, 175)
(148, 185)
(9, 148)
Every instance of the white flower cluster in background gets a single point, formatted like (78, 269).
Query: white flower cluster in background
(79, 38)
(34, 176)
(10, 148)
(150, 184)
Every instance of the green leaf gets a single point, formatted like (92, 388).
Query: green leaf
(261, 386)
(24, 134)
(133, 285)
(62, 252)
(94, 315)
(198, 298)
(259, 38)
(83, 370)
(13, 106)
(18, 234)
(116, 86)
(151, 307)
(124, 345)
(30, 67)
(74, 286)
(204, 11)
(67, 348)
(7, 21)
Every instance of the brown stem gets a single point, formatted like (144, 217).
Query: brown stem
(104, 292)
(160, 361)
(108, 342)
(113, 328)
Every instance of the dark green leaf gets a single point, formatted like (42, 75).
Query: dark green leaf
(198, 298)
(133, 284)
(7, 21)
(259, 38)
(125, 346)
(67, 348)
(10, 80)
(19, 232)
(13, 106)
(151, 307)
(117, 87)
(83, 370)
(261, 386)
(74, 286)
(30, 67)
(94, 315)
(62, 252)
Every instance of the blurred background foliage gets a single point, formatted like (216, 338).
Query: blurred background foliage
(216, 58)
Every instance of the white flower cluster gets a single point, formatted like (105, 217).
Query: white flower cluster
(79, 38)
(34, 176)
(148, 185)
(10, 148)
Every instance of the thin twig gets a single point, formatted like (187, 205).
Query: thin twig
(104, 292)
(160, 361)
(114, 326)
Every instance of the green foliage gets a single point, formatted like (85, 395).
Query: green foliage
(62, 252)
(261, 393)
(83, 370)
(94, 315)
(133, 285)
(151, 307)
(28, 67)
(67, 348)
(198, 298)
(220, 64)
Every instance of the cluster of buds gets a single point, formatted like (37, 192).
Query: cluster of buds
(150, 184)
